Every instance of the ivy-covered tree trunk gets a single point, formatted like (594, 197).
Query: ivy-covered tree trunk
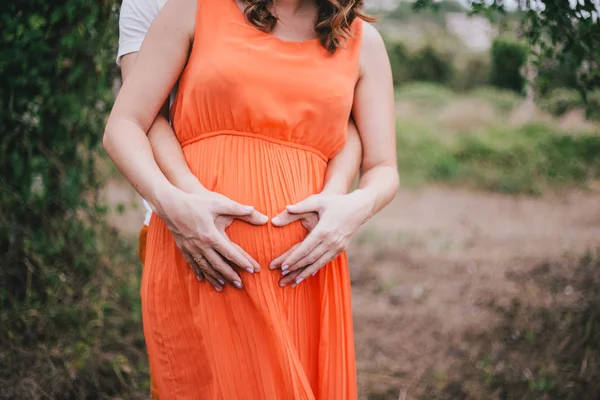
(63, 313)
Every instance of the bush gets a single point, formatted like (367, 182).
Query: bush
(508, 58)
(553, 74)
(475, 73)
(428, 64)
(523, 160)
(68, 323)
(561, 101)
(399, 61)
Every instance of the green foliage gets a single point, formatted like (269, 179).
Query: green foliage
(553, 74)
(425, 64)
(524, 160)
(66, 325)
(489, 154)
(399, 60)
(475, 73)
(561, 100)
(405, 11)
(502, 99)
(559, 30)
(428, 64)
(425, 94)
(507, 60)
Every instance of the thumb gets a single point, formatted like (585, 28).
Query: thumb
(310, 204)
(230, 207)
(285, 218)
(254, 218)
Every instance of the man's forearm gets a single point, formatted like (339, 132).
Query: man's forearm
(343, 168)
(169, 155)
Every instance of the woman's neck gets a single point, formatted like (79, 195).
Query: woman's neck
(294, 6)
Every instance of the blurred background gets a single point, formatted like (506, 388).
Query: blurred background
(480, 281)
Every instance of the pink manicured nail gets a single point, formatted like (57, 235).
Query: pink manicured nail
(250, 270)
(314, 273)
(299, 280)
(248, 208)
(221, 281)
(285, 267)
(285, 273)
(238, 284)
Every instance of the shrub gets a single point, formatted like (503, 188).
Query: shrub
(503, 159)
(554, 74)
(561, 101)
(507, 58)
(475, 73)
(399, 61)
(429, 64)
(68, 323)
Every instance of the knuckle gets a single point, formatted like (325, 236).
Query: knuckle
(205, 238)
(321, 234)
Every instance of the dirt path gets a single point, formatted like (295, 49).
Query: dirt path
(425, 267)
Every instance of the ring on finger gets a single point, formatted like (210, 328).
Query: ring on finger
(199, 259)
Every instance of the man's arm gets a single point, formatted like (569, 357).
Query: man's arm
(343, 168)
(165, 146)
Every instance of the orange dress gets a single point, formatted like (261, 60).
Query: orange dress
(258, 118)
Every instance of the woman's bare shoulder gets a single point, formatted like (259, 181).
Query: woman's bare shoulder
(372, 50)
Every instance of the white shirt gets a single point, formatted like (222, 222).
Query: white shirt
(134, 21)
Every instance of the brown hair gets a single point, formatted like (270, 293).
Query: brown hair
(334, 18)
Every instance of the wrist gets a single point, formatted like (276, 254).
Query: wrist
(162, 196)
(189, 184)
(335, 188)
(367, 200)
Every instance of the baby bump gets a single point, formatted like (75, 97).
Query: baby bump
(263, 174)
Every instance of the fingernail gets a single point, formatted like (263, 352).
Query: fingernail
(281, 284)
(275, 220)
(272, 266)
(221, 281)
(238, 284)
(285, 267)
(299, 280)
(197, 277)
(314, 273)
(248, 208)
(264, 219)
(285, 273)
(250, 270)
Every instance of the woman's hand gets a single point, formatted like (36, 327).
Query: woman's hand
(339, 217)
(198, 222)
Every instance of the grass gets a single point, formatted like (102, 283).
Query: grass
(488, 152)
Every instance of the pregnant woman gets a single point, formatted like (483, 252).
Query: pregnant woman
(266, 90)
